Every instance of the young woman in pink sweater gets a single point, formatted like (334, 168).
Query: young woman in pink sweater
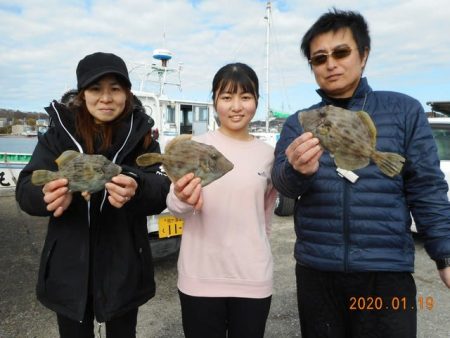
(225, 263)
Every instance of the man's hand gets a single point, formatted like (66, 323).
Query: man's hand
(304, 153)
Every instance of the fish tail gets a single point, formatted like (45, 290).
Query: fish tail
(149, 159)
(40, 177)
(390, 164)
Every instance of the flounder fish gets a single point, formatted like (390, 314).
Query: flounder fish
(183, 155)
(85, 173)
(350, 137)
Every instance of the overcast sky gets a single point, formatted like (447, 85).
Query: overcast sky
(41, 43)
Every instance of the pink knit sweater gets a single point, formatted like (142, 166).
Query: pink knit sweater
(225, 250)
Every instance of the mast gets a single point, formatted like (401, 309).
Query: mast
(267, 17)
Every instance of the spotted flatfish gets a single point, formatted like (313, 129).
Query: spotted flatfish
(84, 172)
(350, 137)
(183, 155)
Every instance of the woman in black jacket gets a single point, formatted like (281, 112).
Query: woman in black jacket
(96, 260)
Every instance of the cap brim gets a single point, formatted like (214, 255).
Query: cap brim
(92, 79)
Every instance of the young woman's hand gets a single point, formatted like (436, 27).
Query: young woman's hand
(304, 153)
(121, 189)
(57, 196)
(189, 190)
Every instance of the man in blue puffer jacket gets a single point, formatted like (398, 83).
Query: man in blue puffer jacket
(353, 237)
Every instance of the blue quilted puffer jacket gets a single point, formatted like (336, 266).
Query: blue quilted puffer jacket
(364, 226)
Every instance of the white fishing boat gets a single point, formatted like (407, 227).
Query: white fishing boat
(172, 116)
(10, 166)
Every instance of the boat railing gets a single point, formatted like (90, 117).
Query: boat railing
(14, 158)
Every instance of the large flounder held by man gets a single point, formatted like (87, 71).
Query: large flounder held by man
(183, 155)
(350, 137)
(85, 173)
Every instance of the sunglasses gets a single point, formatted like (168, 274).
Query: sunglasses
(338, 53)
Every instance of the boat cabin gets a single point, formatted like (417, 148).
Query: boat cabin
(174, 117)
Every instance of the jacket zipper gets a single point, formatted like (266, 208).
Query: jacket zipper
(346, 216)
(346, 224)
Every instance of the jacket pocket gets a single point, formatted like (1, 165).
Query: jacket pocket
(44, 266)
(145, 259)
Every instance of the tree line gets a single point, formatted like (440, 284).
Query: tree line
(17, 116)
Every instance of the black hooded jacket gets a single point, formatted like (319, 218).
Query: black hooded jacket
(94, 250)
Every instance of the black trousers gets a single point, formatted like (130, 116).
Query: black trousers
(221, 317)
(361, 304)
(120, 327)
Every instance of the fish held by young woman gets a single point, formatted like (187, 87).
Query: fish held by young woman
(85, 173)
(350, 137)
(183, 155)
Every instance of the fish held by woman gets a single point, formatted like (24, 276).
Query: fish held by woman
(183, 155)
(350, 137)
(85, 173)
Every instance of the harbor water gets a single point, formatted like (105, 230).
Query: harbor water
(17, 144)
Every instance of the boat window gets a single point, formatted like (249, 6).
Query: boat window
(202, 113)
(170, 116)
(186, 115)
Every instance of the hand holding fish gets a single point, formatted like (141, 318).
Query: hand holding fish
(57, 196)
(189, 190)
(304, 153)
(351, 138)
(121, 189)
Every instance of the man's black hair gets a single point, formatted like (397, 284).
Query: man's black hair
(335, 20)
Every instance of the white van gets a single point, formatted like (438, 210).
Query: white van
(441, 132)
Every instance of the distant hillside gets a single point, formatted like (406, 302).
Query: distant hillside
(17, 114)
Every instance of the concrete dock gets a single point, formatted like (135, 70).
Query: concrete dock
(22, 316)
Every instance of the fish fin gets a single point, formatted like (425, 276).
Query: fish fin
(66, 156)
(365, 118)
(180, 138)
(149, 158)
(350, 162)
(390, 164)
(40, 177)
(86, 195)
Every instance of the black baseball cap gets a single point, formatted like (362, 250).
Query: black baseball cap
(93, 66)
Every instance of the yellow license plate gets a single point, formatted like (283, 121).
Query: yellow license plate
(170, 226)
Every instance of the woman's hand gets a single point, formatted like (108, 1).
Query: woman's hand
(57, 196)
(304, 153)
(121, 189)
(189, 190)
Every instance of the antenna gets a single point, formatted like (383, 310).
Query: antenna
(267, 17)
(162, 71)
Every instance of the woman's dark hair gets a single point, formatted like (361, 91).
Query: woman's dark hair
(85, 124)
(235, 76)
(335, 20)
